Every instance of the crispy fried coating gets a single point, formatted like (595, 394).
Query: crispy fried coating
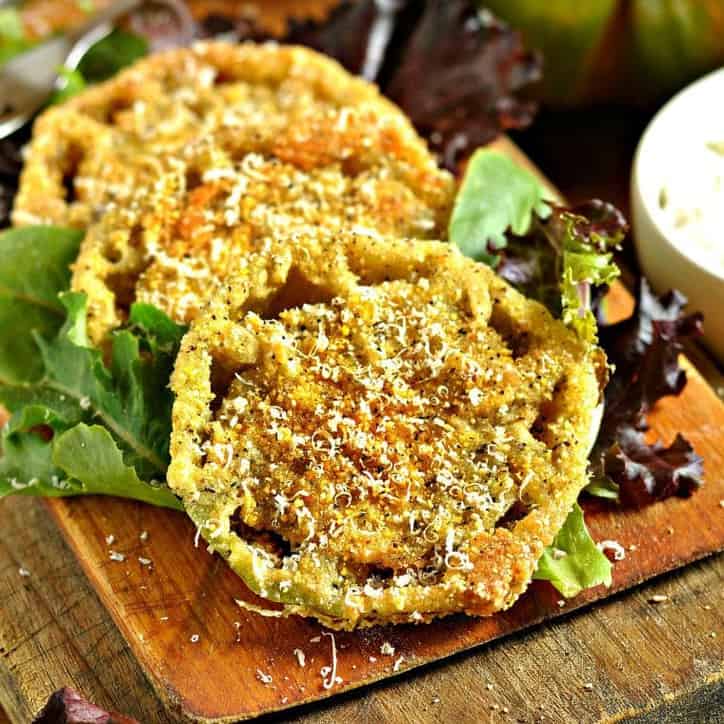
(379, 431)
(100, 146)
(181, 163)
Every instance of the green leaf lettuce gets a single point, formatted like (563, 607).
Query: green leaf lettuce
(111, 54)
(84, 420)
(574, 562)
(13, 40)
(35, 268)
(103, 60)
(496, 196)
(550, 253)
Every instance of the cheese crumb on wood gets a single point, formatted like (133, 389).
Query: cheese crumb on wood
(618, 551)
(387, 649)
(329, 673)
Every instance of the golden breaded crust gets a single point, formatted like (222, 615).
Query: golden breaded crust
(377, 431)
(100, 146)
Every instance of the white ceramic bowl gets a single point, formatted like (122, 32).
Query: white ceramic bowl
(673, 154)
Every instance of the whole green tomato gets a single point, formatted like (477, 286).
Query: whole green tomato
(618, 50)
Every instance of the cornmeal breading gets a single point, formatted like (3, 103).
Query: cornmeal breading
(103, 144)
(175, 243)
(369, 430)
(182, 162)
(375, 431)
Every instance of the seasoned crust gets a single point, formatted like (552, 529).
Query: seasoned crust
(100, 146)
(398, 443)
(181, 163)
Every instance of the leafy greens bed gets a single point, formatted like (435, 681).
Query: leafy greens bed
(562, 257)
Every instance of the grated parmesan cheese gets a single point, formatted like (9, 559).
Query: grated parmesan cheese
(619, 552)
(329, 677)
(387, 649)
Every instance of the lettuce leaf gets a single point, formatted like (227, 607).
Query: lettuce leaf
(585, 248)
(645, 350)
(35, 267)
(84, 460)
(12, 34)
(130, 398)
(502, 216)
(496, 197)
(70, 83)
(116, 51)
(90, 455)
(574, 562)
(79, 424)
(103, 60)
(68, 706)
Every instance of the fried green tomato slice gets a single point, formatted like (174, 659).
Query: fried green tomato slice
(378, 431)
(100, 146)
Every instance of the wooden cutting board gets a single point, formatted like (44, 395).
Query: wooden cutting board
(212, 661)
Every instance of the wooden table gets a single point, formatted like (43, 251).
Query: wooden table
(646, 662)
(627, 659)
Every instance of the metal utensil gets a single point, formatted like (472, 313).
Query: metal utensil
(27, 81)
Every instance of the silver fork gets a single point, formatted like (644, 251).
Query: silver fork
(27, 81)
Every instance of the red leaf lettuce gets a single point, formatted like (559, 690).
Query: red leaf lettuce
(644, 349)
(67, 706)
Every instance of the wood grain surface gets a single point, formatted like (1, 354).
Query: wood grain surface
(648, 663)
(630, 658)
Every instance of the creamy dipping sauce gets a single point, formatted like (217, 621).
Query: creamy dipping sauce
(691, 200)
